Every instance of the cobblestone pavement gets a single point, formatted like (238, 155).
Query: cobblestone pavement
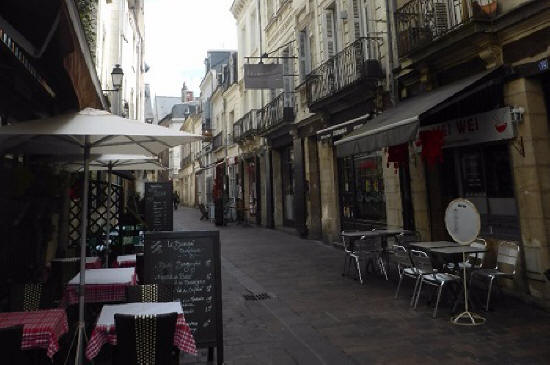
(316, 316)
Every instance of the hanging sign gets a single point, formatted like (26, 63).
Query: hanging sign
(495, 125)
(263, 76)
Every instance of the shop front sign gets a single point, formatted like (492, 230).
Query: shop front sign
(495, 125)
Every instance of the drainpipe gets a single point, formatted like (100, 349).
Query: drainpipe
(390, 26)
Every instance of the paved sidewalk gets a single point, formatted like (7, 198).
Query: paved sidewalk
(316, 316)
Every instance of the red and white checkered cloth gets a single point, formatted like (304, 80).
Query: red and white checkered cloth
(183, 338)
(41, 329)
(93, 263)
(125, 261)
(98, 293)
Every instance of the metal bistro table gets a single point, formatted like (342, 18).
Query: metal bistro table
(383, 233)
(430, 246)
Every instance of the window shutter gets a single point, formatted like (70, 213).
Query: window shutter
(330, 42)
(302, 54)
(355, 10)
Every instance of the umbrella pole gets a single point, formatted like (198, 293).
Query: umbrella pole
(109, 192)
(79, 359)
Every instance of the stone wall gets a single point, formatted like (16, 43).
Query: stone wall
(392, 192)
(532, 179)
(330, 207)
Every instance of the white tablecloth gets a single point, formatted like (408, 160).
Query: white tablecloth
(89, 260)
(106, 276)
(126, 258)
(107, 316)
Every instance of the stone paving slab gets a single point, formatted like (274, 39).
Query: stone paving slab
(316, 316)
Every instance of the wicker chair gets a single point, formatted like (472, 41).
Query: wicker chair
(29, 297)
(10, 345)
(145, 339)
(153, 293)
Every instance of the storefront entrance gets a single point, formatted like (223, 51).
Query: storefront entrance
(363, 203)
(483, 175)
(287, 173)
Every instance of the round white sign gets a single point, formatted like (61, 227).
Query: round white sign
(462, 221)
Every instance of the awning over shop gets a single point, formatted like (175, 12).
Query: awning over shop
(400, 124)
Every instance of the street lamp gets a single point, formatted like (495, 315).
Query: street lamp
(117, 75)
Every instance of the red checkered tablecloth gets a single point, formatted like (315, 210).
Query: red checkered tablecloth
(93, 263)
(183, 338)
(98, 293)
(41, 329)
(125, 261)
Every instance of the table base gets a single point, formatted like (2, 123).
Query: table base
(468, 319)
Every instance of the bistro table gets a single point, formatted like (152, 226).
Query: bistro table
(376, 233)
(91, 262)
(125, 261)
(431, 245)
(105, 331)
(41, 329)
(102, 286)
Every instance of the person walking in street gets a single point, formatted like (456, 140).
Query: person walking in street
(176, 199)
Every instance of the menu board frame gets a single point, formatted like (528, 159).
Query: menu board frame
(214, 238)
(150, 199)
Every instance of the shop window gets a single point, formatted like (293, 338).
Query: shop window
(362, 189)
(484, 177)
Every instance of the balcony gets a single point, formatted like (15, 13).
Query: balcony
(420, 22)
(217, 141)
(278, 112)
(247, 127)
(348, 72)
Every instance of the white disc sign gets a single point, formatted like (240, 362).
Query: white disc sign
(462, 221)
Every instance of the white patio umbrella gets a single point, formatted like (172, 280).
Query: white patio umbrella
(87, 132)
(112, 163)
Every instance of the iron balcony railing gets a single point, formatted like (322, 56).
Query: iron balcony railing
(247, 126)
(277, 112)
(357, 62)
(217, 141)
(419, 22)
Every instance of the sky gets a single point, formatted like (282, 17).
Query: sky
(177, 35)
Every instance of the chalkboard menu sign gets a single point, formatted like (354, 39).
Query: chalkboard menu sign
(159, 206)
(191, 262)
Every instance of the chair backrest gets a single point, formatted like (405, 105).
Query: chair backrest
(369, 243)
(144, 339)
(421, 261)
(401, 256)
(62, 272)
(150, 293)
(10, 345)
(28, 297)
(476, 259)
(404, 239)
(507, 257)
(140, 268)
(347, 242)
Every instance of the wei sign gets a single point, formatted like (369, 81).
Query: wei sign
(263, 76)
(495, 125)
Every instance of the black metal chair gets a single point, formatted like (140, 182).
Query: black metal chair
(29, 297)
(140, 268)
(145, 339)
(10, 345)
(62, 272)
(153, 293)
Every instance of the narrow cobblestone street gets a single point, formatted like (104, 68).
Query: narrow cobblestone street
(316, 316)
